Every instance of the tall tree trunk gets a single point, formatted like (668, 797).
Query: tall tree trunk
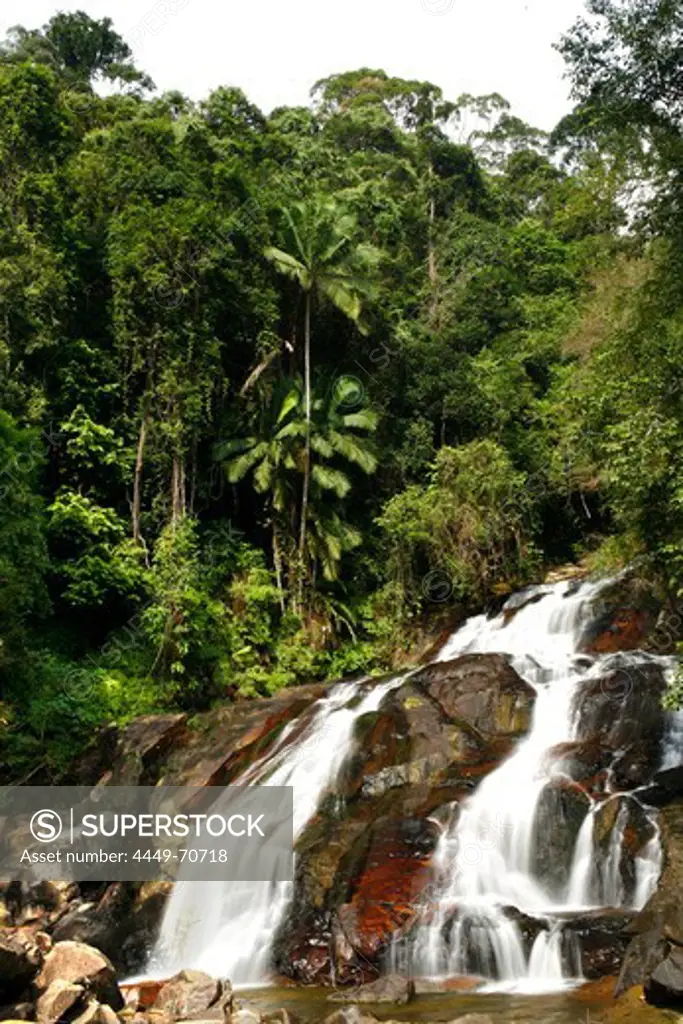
(307, 456)
(178, 500)
(431, 248)
(277, 562)
(431, 260)
(137, 479)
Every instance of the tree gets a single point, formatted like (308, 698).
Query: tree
(287, 445)
(625, 65)
(79, 48)
(23, 555)
(326, 260)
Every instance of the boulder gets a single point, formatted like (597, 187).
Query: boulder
(245, 1016)
(603, 937)
(560, 812)
(395, 873)
(664, 987)
(621, 710)
(627, 816)
(664, 787)
(350, 1015)
(189, 994)
(482, 690)
(122, 923)
(391, 988)
(280, 1016)
(82, 965)
(59, 997)
(97, 1013)
(625, 614)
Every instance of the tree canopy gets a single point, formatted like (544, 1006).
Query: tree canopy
(264, 378)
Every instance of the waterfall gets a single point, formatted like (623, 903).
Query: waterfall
(498, 914)
(473, 928)
(226, 928)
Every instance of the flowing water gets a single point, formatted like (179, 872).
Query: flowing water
(485, 862)
(226, 928)
(487, 858)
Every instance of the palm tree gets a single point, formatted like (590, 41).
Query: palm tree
(271, 456)
(337, 438)
(326, 262)
(287, 445)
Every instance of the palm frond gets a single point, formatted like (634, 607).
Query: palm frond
(331, 480)
(353, 451)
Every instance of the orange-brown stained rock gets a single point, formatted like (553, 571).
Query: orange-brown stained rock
(141, 994)
(391, 888)
(595, 991)
(626, 632)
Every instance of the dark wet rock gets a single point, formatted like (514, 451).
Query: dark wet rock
(391, 988)
(123, 923)
(387, 890)
(19, 963)
(621, 710)
(585, 762)
(18, 1011)
(664, 987)
(603, 937)
(658, 928)
(482, 690)
(626, 613)
(664, 787)
(624, 815)
(560, 813)
(362, 864)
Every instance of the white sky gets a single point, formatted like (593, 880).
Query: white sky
(276, 50)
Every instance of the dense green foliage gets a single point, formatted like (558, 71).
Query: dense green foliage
(273, 388)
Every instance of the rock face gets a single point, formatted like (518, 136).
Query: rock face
(363, 877)
(604, 936)
(561, 810)
(620, 713)
(653, 958)
(626, 616)
(482, 690)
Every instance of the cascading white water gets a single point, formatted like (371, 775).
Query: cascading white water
(486, 859)
(227, 928)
